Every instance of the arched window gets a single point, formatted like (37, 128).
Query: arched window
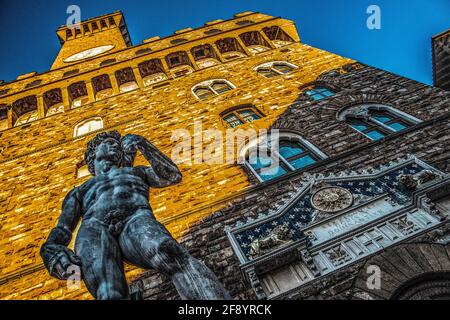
(319, 92)
(274, 69)
(377, 121)
(280, 155)
(88, 126)
(240, 115)
(211, 88)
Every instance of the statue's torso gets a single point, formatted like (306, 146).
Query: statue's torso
(121, 190)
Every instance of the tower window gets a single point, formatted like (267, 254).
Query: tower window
(241, 115)
(377, 121)
(103, 24)
(274, 69)
(211, 88)
(111, 21)
(87, 127)
(94, 26)
(318, 93)
(270, 160)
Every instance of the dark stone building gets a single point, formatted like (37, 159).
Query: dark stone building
(441, 60)
(379, 206)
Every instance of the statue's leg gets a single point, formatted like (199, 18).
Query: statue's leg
(101, 259)
(147, 244)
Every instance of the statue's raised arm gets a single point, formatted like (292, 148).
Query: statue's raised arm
(163, 171)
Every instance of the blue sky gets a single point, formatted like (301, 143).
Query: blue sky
(402, 46)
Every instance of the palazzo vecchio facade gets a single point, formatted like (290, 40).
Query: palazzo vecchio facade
(362, 188)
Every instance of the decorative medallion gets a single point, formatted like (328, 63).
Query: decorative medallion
(332, 199)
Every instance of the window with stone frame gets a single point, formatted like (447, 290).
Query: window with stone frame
(254, 42)
(178, 59)
(240, 115)
(88, 126)
(25, 110)
(275, 69)
(211, 88)
(230, 48)
(78, 94)
(377, 121)
(126, 80)
(286, 153)
(319, 92)
(53, 102)
(152, 71)
(205, 56)
(102, 86)
(278, 37)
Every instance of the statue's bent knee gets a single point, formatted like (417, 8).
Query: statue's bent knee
(171, 257)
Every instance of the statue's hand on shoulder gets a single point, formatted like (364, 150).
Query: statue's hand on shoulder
(130, 146)
(58, 259)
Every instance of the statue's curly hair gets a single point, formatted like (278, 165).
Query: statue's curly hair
(89, 156)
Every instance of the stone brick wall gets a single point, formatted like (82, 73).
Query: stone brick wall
(347, 150)
(38, 161)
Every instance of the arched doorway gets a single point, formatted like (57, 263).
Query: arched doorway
(434, 286)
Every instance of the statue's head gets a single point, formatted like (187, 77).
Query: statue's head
(105, 146)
